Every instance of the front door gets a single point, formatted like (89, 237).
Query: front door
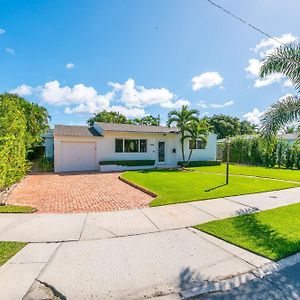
(161, 152)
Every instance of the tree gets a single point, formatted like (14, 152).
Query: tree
(224, 126)
(148, 120)
(108, 117)
(285, 60)
(197, 131)
(182, 118)
(247, 128)
(37, 119)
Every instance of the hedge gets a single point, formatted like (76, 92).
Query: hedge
(201, 163)
(257, 151)
(128, 163)
(12, 142)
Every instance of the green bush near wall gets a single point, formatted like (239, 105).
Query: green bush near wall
(12, 142)
(260, 152)
(202, 163)
(128, 163)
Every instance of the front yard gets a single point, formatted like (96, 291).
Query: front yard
(175, 186)
(283, 174)
(274, 234)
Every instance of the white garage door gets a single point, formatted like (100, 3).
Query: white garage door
(78, 156)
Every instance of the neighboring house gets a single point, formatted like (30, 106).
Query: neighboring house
(49, 144)
(113, 147)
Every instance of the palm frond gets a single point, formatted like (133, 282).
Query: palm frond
(280, 114)
(284, 60)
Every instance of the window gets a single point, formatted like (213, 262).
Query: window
(201, 145)
(131, 145)
(119, 145)
(197, 145)
(192, 145)
(143, 145)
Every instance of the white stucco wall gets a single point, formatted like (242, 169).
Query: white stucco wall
(105, 148)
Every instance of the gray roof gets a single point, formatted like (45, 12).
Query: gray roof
(136, 128)
(68, 130)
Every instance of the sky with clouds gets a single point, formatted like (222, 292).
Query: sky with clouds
(143, 57)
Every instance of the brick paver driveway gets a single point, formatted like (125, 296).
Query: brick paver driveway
(77, 193)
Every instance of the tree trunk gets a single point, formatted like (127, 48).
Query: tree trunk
(182, 148)
(189, 158)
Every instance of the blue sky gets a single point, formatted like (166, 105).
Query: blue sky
(142, 57)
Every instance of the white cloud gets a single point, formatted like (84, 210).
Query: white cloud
(133, 95)
(253, 116)
(203, 104)
(10, 51)
(176, 104)
(70, 66)
(22, 90)
(228, 103)
(2, 30)
(129, 112)
(264, 48)
(206, 80)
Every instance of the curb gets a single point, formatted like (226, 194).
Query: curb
(138, 187)
(238, 280)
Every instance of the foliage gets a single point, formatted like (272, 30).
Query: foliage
(201, 163)
(21, 126)
(284, 60)
(182, 119)
(263, 152)
(176, 186)
(148, 120)
(228, 126)
(196, 131)
(45, 164)
(108, 117)
(274, 233)
(12, 141)
(116, 117)
(128, 162)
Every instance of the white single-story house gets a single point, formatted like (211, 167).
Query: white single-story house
(114, 147)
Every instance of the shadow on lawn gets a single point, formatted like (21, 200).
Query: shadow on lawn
(264, 236)
(216, 187)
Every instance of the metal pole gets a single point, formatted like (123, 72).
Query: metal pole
(227, 162)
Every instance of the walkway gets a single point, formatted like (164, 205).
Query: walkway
(133, 254)
(102, 225)
(77, 192)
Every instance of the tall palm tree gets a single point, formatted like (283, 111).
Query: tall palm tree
(182, 119)
(285, 60)
(197, 131)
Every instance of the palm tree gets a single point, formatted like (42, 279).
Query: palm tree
(182, 118)
(197, 131)
(285, 60)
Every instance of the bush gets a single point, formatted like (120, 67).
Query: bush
(257, 151)
(45, 164)
(12, 142)
(128, 163)
(201, 163)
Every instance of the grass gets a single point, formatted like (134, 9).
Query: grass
(16, 209)
(8, 250)
(283, 174)
(175, 186)
(274, 234)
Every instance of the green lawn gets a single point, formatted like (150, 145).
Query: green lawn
(284, 174)
(16, 209)
(8, 250)
(274, 234)
(175, 186)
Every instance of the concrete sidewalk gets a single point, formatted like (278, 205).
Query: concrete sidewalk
(134, 254)
(91, 226)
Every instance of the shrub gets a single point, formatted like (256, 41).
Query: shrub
(202, 163)
(128, 163)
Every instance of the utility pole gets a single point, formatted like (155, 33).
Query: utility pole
(227, 160)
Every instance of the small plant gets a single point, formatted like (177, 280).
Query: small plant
(45, 164)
